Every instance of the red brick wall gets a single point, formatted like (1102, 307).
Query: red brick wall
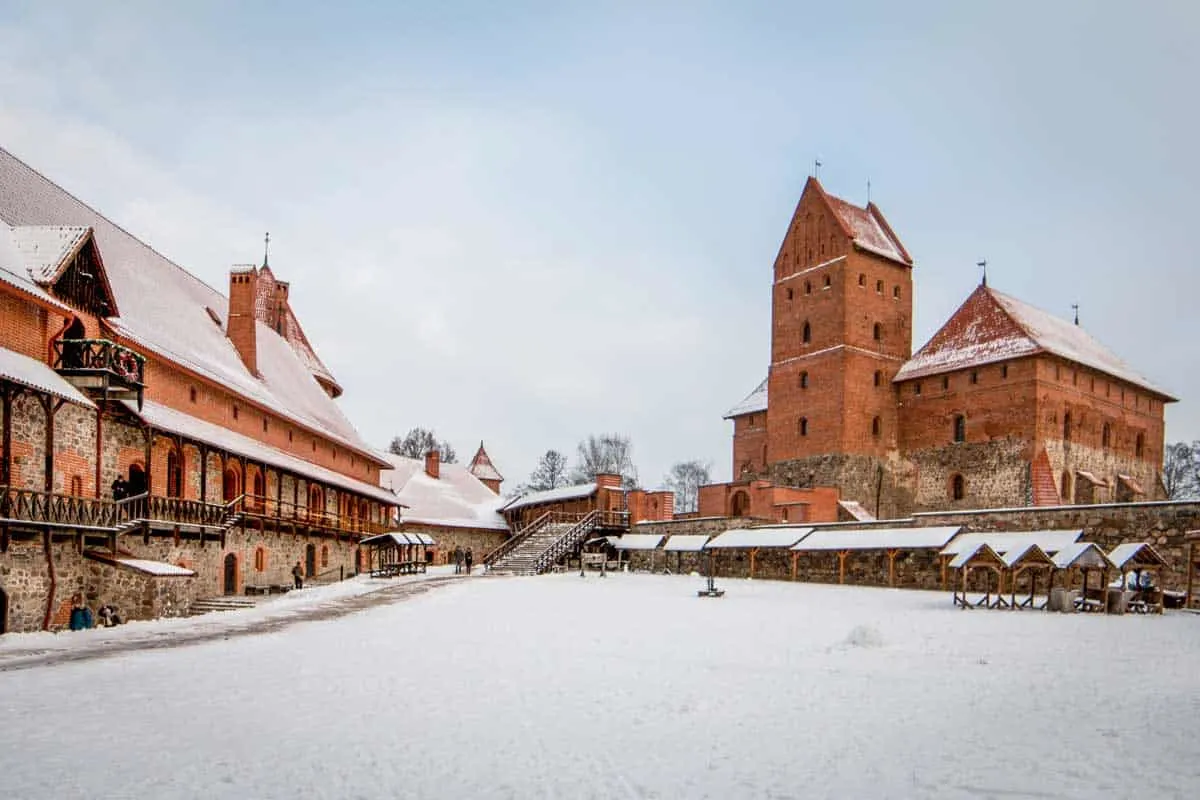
(749, 444)
(25, 327)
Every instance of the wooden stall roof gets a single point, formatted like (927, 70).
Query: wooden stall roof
(1003, 541)
(1081, 554)
(637, 541)
(397, 538)
(686, 543)
(1028, 555)
(878, 539)
(753, 538)
(981, 553)
(1134, 555)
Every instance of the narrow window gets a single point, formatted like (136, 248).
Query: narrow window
(260, 559)
(895, 292)
(808, 287)
(1004, 370)
(806, 335)
(1093, 385)
(1066, 486)
(289, 436)
(803, 380)
(235, 412)
(804, 426)
(958, 488)
(1106, 436)
(324, 555)
(828, 282)
(917, 387)
(77, 486)
(192, 394)
(1139, 445)
(862, 279)
(879, 287)
(974, 377)
(1074, 378)
(945, 382)
(960, 428)
(875, 427)
(877, 332)
(264, 424)
(1067, 427)
(878, 378)
(789, 294)
(1057, 373)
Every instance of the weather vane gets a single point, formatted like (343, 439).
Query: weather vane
(266, 247)
(983, 265)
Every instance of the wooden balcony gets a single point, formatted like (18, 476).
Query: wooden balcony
(284, 513)
(56, 510)
(171, 511)
(100, 368)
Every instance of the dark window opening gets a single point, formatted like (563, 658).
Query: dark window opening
(1067, 427)
(803, 380)
(958, 488)
(875, 425)
(877, 332)
(804, 426)
(862, 279)
(974, 377)
(960, 428)
(878, 378)
(806, 335)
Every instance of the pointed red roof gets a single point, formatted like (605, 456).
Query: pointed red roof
(481, 466)
(866, 227)
(991, 326)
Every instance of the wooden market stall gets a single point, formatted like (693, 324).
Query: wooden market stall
(639, 542)
(1146, 564)
(1082, 559)
(1032, 561)
(891, 542)
(396, 553)
(755, 539)
(685, 543)
(980, 557)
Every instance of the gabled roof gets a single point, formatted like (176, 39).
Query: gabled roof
(481, 466)
(868, 229)
(752, 403)
(31, 373)
(164, 310)
(456, 498)
(47, 249)
(991, 326)
(575, 492)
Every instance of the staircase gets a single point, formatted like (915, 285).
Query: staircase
(550, 538)
(1045, 491)
(210, 604)
(522, 559)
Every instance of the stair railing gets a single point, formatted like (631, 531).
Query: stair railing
(517, 538)
(568, 541)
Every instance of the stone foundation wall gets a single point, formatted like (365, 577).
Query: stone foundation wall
(882, 485)
(995, 475)
(480, 541)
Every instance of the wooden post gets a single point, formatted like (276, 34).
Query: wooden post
(147, 472)
(753, 555)
(842, 565)
(891, 554)
(945, 564)
(99, 447)
(1191, 571)
(6, 397)
(795, 556)
(203, 474)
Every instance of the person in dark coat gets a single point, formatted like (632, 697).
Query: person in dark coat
(298, 575)
(469, 559)
(458, 560)
(119, 490)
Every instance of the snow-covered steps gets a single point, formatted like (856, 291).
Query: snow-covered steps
(210, 604)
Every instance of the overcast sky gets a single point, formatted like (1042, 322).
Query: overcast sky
(523, 223)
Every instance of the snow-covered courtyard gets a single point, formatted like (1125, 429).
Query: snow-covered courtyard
(628, 686)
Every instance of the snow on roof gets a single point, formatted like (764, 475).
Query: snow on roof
(991, 326)
(163, 309)
(14, 273)
(31, 373)
(638, 541)
(686, 543)
(157, 568)
(1027, 552)
(856, 510)
(746, 538)
(1131, 483)
(46, 249)
(168, 419)
(481, 466)
(869, 230)
(878, 539)
(753, 402)
(1002, 542)
(397, 538)
(1082, 554)
(551, 496)
(456, 498)
(1131, 554)
(978, 550)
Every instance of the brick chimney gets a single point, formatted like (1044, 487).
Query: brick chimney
(433, 463)
(241, 324)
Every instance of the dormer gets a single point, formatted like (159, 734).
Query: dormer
(65, 260)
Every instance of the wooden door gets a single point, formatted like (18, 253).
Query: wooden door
(310, 560)
(230, 574)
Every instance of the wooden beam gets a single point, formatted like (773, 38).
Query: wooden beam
(842, 565)
(891, 555)
(6, 397)
(795, 556)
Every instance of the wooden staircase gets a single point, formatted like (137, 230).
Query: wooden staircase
(207, 605)
(549, 539)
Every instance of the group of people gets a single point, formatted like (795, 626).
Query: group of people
(463, 561)
(82, 618)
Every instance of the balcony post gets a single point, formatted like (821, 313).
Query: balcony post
(6, 396)
(203, 473)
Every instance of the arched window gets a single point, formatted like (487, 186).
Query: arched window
(958, 488)
(878, 378)
(1067, 427)
(77, 486)
(803, 380)
(1066, 486)
(1106, 436)
(960, 428)
(260, 559)
(324, 555)
(174, 475)
(806, 334)
(875, 426)
(1139, 445)
(877, 332)
(828, 282)
(808, 287)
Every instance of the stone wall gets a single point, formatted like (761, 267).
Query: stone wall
(995, 475)
(28, 442)
(881, 485)
(121, 446)
(480, 541)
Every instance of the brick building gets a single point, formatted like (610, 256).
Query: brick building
(123, 374)
(1005, 406)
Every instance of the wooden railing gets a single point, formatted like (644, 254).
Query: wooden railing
(511, 543)
(170, 509)
(571, 539)
(269, 508)
(99, 355)
(27, 505)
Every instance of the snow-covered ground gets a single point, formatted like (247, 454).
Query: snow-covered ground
(628, 686)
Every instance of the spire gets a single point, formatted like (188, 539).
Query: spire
(266, 248)
(983, 265)
(1075, 308)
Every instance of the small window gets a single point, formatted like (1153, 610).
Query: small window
(958, 488)
(1106, 436)
(1093, 380)
(803, 380)
(803, 426)
(806, 334)
(260, 559)
(265, 425)
(1139, 445)
(945, 383)
(289, 436)
(1057, 373)
(917, 387)
(974, 377)
(960, 428)
(877, 332)
(878, 378)
(862, 279)
(192, 394)
(879, 287)
(875, 425)
(895, 292)
(1067, 427)
(1074, 378)
(235, 412)
(1004, 370)
(808, 287)
(324, 555)
(789, 294)
(828, 282)
(314, 445)
(77, 486)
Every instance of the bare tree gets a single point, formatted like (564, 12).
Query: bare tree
(685, 480)
(419, 441)
(609, 453)
(550, 473)
(1181, 470)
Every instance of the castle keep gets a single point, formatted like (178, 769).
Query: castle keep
(1006, 406)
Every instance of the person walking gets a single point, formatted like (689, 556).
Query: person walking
(458, 560)
(469, 559)
(298, 575)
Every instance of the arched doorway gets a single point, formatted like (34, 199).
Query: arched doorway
(174, 475)
(137, 480)
(231, 485)
(316, 502)
(3, 611)
(740, 504)
(230, 584)
(310, 560)
(259, 491)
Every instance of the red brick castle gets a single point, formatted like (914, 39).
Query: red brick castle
(1005, 406)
